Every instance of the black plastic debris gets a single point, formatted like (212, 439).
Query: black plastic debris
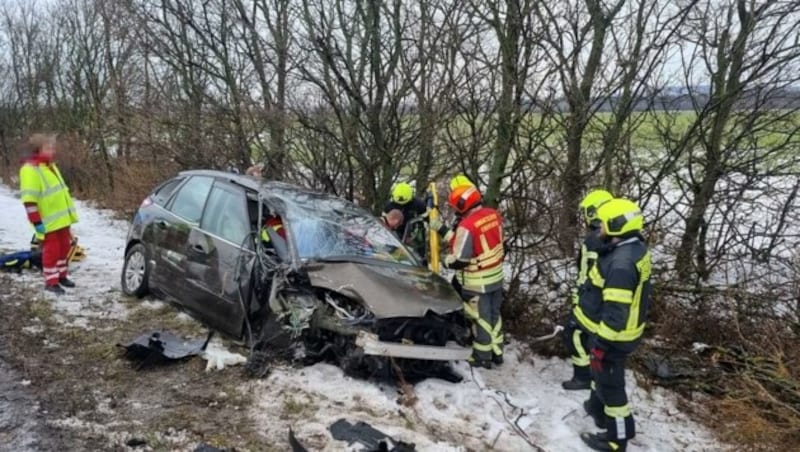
(372, 439)
(294, 443)
(203, 447)
(157, 347)
(136, 442)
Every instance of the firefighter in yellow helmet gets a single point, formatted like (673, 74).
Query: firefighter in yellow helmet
(460, 180)
(575, 335)
(403, 199)
(614, 305)
(447, 232)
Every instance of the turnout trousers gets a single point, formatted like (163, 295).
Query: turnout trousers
(577, 342)
(488, 324)
(609, 398)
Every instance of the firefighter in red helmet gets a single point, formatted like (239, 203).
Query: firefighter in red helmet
(476, 254)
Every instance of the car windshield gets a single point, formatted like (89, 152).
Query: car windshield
(324, 227)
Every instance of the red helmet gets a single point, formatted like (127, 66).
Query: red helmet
(464, 198)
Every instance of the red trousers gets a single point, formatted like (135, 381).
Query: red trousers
(55, 248)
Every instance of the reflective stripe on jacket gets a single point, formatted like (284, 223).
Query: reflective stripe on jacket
(616, 295)
(479, 243)
(42, 184)
(586, 259)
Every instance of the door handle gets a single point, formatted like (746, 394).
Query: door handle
(199, 248)
(161, 224)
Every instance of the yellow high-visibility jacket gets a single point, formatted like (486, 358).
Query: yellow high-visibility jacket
(41, 184)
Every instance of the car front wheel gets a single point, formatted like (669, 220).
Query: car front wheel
(135, 272)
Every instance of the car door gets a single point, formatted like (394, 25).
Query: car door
(182, 214)
(217, 263)
(153, 215)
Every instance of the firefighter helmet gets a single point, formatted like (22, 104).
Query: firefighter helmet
(402, 193)
(593, 200)
(460, 180)
(619, 217)
(464, 197)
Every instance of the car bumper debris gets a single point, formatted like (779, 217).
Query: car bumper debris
(373, 346)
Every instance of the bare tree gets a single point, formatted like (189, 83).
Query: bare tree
(751, 52)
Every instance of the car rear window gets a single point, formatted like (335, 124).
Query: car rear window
(191, 198)
(164, 192)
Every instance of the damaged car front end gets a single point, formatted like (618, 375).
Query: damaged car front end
(347, 290)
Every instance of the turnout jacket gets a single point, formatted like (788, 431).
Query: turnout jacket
(591, 246)
(478, 251)
(615, 298)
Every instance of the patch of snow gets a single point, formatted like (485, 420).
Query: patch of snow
(152, 304)
(476, 414)
(184, 317)
(219, 357)
(33, 329)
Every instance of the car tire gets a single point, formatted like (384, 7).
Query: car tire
(135, 272)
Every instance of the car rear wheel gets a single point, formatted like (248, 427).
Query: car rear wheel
(135, 272)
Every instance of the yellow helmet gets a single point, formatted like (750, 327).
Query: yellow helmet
(592, 201)
(402, 193)
(460, 180)
(620, 216)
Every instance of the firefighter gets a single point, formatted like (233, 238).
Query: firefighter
(575, 334)
(274, 234)
(50, 209)
(476, 254)
(448, 233)
(615, 302)
(404, 200)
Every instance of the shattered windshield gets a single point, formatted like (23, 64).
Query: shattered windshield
(325, 227)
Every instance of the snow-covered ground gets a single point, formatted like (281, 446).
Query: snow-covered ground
(477, 414)
(97, 276)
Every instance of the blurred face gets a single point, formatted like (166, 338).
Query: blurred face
(393, 219)
(48, 150)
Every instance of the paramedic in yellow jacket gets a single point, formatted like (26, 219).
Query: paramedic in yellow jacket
(50, 209)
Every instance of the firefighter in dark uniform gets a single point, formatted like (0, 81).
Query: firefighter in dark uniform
(614, 303)
(403, 199)
(575, 335)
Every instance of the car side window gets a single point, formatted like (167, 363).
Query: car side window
(226, 214)
(162, 194)
(191, 198)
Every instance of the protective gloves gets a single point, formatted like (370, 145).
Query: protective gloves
(596, 356)
(39, 228)
(435, 224)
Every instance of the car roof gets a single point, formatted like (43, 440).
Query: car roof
(260, 184)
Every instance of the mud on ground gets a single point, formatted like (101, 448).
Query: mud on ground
(90, 398)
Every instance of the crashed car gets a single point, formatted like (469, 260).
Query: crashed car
(342, 286)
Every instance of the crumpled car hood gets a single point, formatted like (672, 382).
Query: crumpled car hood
(387, 290)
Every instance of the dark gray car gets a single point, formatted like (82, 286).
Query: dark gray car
(336, 280)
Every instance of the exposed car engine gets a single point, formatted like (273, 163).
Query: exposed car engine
(288, 313)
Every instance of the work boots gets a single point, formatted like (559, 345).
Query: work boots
(598, 416)
(576, 384)
(581, 379)
(497, 360)
(476, 362)
(66, 282)
(55, 289)
(600, 441)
